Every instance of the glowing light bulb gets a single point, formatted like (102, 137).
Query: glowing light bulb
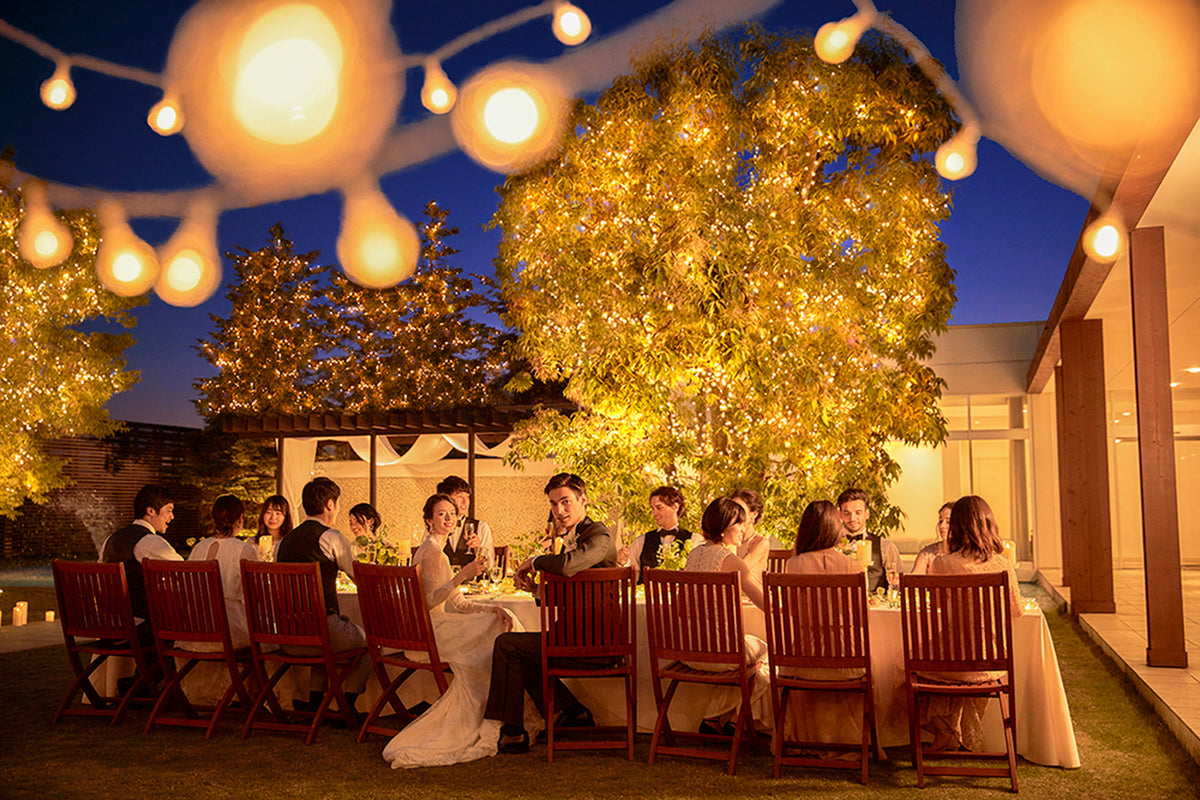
(189, 267)
(835, 41)
(57, 91)
(125, 264)
(438, 93)
(43, 239)
(166, 117)
(1105, 239)
(571, 26)
(510, 116)
(377, 247)
(956, 158)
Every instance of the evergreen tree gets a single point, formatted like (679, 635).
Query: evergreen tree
(268, 351)
(54, 379)
(734, 263)
(422, 344)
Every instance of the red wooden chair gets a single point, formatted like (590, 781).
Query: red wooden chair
(187, 606)
(696, 617)
(958, 623)
(817, 622)
(500, 554)
(589, 615)
(285, 608)
(97, 622)
(777, 560)
(399, 634)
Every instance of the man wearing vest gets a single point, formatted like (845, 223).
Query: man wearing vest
(469, 534)
(153, 510)
(315, 540)
(517, 657)
(852, 504)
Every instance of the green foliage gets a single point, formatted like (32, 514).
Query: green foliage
(377, 548)
(734, 264)
(54, 378)
(218, 463)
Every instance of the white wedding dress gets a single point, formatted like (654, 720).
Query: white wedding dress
(453, 729)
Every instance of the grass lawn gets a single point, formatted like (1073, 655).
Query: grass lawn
(1125, 750)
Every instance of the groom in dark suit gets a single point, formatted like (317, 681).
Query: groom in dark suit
(517, 657)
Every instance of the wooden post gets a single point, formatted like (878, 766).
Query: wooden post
(1166, 645)
(279, 465)
(471, 469)
(1083, 463)
(1065, 544)
(373, 474)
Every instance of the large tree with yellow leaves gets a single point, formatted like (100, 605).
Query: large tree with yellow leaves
(734, 264)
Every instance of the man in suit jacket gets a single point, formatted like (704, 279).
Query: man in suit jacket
(852, 504)
(153, 510)
(517, 657)
(471, 537)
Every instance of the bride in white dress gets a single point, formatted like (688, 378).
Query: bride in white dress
(453, 730)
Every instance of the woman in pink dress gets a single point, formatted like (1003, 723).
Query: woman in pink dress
(974, 544)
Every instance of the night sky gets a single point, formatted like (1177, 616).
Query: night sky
(1009, 236)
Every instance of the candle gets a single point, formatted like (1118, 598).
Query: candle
(862, 549)
(404, 551)
(265, 545)
(1010, 549)
(49, 616)
(21, 613)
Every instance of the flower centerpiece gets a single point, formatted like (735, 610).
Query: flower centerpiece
(673, 555)
(375, 548)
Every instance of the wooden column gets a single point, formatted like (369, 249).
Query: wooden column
(1083, 465)
(471, 469)
(1166, 646)
(1066, 546)
(278, 465)
(372, 474)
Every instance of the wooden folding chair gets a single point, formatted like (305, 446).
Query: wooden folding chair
(97, 622)
(777, 560)
(696, 617)
(589, 615)
(500, 554)
(818, 622)
(187, 607)
(958, 624)
(285, 608)
(399, 634)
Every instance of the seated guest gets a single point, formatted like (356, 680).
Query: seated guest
(885, 556)
(823, 716)
(974, 544)
(666, 506)
(364, 521)
(517, 657)
(274, 523)
(470, 536)
(317, 540)
(931, 551)
(755, 548)
(228, 515)
(153, 510)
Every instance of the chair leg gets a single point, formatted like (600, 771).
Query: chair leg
(1010, 738)
(387, 697)
(779, 701)
(630, 710)
(914, 725)
(661, 723)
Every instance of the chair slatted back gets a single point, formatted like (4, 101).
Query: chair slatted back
(394, 612)
(589, 614)
(817, 620)
(956, 622)
(500, 553)
(777, 560)
(187, 601)
(285, 604)
(93, 600)
(694, 616)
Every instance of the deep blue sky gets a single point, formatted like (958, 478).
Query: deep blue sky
(1009, 236)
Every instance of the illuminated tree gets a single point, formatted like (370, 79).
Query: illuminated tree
(267, 352)
(54, 379)
(421, 344)
(734, 263)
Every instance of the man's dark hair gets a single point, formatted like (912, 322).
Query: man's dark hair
(453, 484)
(671, 496)
(853, 494)
(568, 481)
(317, 493)
(152, 495)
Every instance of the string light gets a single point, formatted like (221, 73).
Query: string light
(835, 41)
(378, 248)
(57, 91)
(957, 158)
(125, 264)
(1105, 239)
(166, 117)
(190, 267)
(571, 26)
(510, 115)
(438, 93)
(44, 241)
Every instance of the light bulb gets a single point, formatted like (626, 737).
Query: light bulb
(835, 41)
(438, 93)
(43, 239)
(956, 158)
(166, 117)
(377, 247)
(57, 91)
(125, 264)
(571, 26)
(1105, 239)
(510, 116)
(189, 266)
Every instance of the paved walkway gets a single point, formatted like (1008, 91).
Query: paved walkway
(28, 637)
